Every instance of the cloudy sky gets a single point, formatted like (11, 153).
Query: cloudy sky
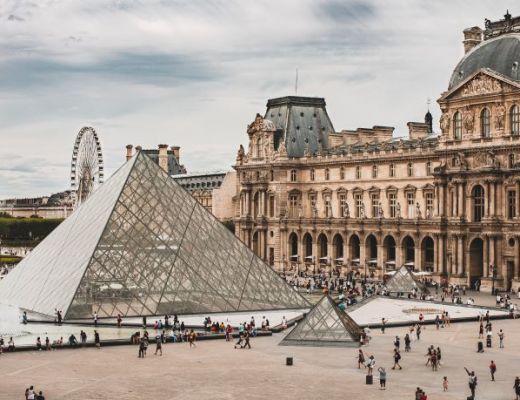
(195, 73)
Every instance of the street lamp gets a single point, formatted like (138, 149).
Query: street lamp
(365, 279)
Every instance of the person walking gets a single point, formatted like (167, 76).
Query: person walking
(383, 325)
(141, 348)
(397, 357)
(247, 336)
(191, 339)
(472, 382)
(361, 359)
(516, 387)
(492, 370)
(382, 378)
(397, 343)
(418, 332)
(407, 343)
(481, 331)
(158, 345)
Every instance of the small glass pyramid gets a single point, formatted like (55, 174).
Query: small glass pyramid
(141, 245)
(324, 325)
(403, 281)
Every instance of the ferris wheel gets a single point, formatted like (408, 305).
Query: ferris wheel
(87, 164)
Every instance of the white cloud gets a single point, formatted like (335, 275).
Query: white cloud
(195, 73)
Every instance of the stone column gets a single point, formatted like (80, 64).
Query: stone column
(517, 204)
(346, 252)
(398, 249)
(417, 255)
(487, 196)
(461, 200)
(435, 253)
(492, 203)
(437, 202)
(315, 253)
(441, 200)
(516, 273)
(330, 253)
(442, 250)
(380, 261)
(362, 252)
(485, 255)
(460, 255)
(492, 259)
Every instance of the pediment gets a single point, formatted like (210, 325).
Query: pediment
(482, 82)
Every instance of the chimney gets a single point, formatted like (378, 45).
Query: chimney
(177, 153)
(129, 148)
(138, 149)
(472, 38)
(163, 157)
(417, 130)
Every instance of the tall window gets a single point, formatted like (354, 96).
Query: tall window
(485, 123)
(328, 207)
(293, 175)
(312, 201)
(271, 206)
(428, 168)
(515, 120)
(327, 174)
(429, 204)
(511, 204)
(374, 202)
(478, 203)
(457, 126)
(342, 202)
(410, 202)
(409, 168)
(358, 172)
(374, 171)
(293, 204)
(391, 170)
(311, 174)
(358, 200)
(511, 160)
(271, 175)
(392, 203)
(342, 173)
(259, 147)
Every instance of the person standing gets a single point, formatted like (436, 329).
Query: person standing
(247, 336)
(191, 339)
(418, 332)
(407, 343)
(370, 365)
(397, 343)
(95, 317)
(501, 338)
(383, 323)
(481, 331)
(96, 340)
(472, 382)
(445, 384)
(492, 370)
(119, 320)
(382, 378)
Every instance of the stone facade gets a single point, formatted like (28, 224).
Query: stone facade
(362, 202)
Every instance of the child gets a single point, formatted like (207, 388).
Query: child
(445, 384)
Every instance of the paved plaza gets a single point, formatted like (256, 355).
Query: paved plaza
(215, 370)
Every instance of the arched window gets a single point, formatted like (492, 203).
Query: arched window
(478, 203)
(311, 174)
(374, 171)
(485, 123)
(358, 172)
(293, 175)
(342, 173)
(409, 169)
(259, 147)
(457, 126)
(515, 120)
(391, 170)
(327, 174)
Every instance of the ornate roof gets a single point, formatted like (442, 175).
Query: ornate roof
(303, 122)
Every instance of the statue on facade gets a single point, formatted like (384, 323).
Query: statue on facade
(500, 116)
(241, 155)
(282, 150)
(300, 211)
(398, 210)
(445, 122)
(314, 211)
(468, 119)
(362, 212)
(346, 211)
(306, 151)
(418, 214)
(380, 213)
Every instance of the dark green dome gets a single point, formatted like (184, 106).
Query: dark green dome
(501, 54)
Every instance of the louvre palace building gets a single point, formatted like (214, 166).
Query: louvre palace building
(361, 202)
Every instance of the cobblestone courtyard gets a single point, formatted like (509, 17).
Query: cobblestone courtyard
(215, 370)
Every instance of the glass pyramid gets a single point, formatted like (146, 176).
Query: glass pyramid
(403, 281)
(141, 245)
(324, 325)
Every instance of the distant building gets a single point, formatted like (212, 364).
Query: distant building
(202, 186)
(58, 205)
